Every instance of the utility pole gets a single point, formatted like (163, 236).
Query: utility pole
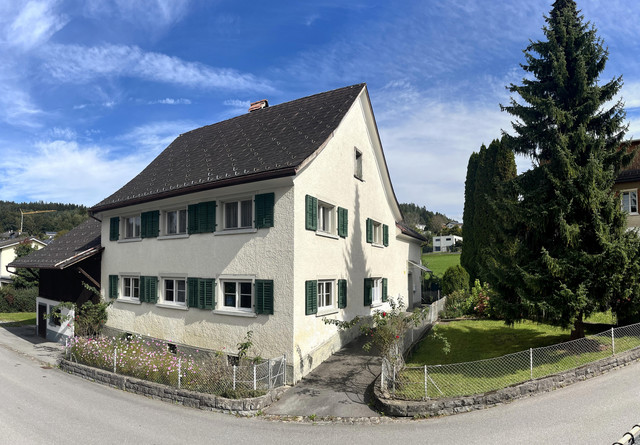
(30, 213)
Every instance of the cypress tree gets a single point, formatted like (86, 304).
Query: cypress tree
(569, 254)
(468, 257)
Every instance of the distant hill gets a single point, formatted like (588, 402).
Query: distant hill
(65, 217)
(420, 216)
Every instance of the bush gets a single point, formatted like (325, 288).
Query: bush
(18, 300)
(479, 300)
(457, 305)
(455, 278)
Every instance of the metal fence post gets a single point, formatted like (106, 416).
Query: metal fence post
(284, 372)
(613, 343)
(394, 379)
(426, 394)
(179, 372)
(234, 377)
(115, 352)
(382, 376)
(531, 362)
(254, 377)
(269, 383)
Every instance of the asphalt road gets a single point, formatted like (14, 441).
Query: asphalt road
(40, 405)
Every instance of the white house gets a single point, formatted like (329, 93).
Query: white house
(8, 254)
(268, 222)
(445, 243)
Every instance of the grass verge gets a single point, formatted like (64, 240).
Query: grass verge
(12, 319)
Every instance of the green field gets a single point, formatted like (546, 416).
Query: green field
(439, 262)
(18, 318)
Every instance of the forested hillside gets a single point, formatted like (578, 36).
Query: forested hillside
(415, 216)
(65, 217)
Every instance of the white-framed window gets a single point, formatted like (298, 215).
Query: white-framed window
(377, 232)
(131, 226)
(357, 172)
(326, 294)
(326, 218)
(629, 201)
(376, 291)
(175, 222)
(237, 295)
(238, 214)
(130, 288)
(174, 291)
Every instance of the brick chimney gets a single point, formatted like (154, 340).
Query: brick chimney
(264, 103)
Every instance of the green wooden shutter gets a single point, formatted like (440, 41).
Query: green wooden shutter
(264, 210)
(343, 224)
(264, 297)
(369, 230)
(202, 217)
(114, 228)
(385, 235)
(150, 224)
(192, 292)
(368, 288)
(207, 293)
(192, 218)
(113, 286)
(342, 294)
(311, 213)
(149, 289)
(311, 297)
(384, 290)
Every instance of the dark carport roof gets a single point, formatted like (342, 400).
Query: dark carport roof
(267, 143)
(76, 245)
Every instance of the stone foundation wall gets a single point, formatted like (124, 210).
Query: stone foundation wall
(209, 402)
(454, 405)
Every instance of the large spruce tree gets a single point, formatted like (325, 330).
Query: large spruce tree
(569, 254)
(468, 257)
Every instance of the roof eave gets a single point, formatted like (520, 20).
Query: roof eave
(271, 174)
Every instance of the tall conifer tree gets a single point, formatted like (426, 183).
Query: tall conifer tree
(569, 254)
(468, 257)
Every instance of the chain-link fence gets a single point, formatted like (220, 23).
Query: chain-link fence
(200, 370)
(461, 379)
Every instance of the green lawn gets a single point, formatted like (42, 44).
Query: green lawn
(18, 318)
(501, 356)
(440, 262)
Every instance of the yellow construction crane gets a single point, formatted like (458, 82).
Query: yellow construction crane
(30, 213)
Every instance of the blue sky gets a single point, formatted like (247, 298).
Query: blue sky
(91, 91)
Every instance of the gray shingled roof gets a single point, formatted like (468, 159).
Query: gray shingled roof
(266, 143)
(404, 228)
(74, 246)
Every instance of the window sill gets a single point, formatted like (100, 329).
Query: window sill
(235, 313)
(128, 301)
(327, 235)
(325, 312)
(379, 246)
(235, 231)
(129, 240)
(177, 236)
(179, 307)
(376, 304)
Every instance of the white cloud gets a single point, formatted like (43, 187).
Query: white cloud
(16, 106)
(64, 171)
(150, 14)
(151, 139)
(170, 101)
(34, 24)
(76, 63)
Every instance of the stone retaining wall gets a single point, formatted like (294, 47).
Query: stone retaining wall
(455, 405)
(209, 402)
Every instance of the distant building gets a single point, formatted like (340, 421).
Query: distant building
(445, 243)
(452, 224)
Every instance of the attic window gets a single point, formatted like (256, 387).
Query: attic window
(358, 164)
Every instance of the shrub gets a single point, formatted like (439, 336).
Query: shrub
(455, 278)
(479, 300)
(18, 300)
(457, 305)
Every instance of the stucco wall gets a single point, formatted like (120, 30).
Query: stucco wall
(330, 178)
(262, 254)
(8, 254)
(633, 219)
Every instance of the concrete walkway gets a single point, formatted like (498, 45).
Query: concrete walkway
(341, 386)
(24, 340)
